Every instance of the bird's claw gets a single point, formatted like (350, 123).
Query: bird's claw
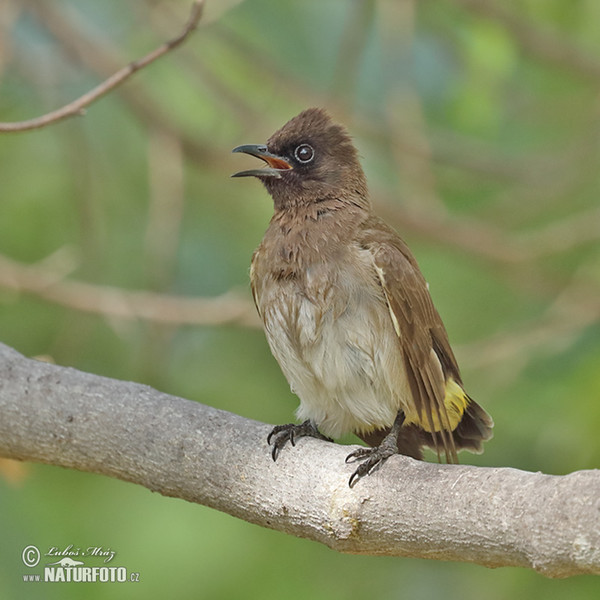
(358, 454)
(290, 433)
(282, 434)
(372, 457)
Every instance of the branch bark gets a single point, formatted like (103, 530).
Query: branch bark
(490, 516)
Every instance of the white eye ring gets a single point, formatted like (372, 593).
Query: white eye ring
(304, 153)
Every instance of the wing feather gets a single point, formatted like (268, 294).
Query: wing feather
(253, 282)
(428, 358)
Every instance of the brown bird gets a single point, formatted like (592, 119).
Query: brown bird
(346, 310)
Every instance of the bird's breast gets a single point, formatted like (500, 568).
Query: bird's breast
(329, 328)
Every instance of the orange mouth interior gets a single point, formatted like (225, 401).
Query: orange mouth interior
(276, 163)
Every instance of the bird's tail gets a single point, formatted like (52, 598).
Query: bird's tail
(459, 424)
(474, 428)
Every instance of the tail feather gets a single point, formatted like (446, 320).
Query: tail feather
(474, 428)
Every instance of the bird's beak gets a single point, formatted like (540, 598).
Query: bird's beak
(277, 164)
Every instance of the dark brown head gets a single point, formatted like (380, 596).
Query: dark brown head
(310, 159)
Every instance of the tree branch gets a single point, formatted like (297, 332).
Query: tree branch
(490, 516)
(125, 304)
(77, 106)
(98, 56)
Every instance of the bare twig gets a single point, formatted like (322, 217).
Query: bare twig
(77, 106)
(98, 56)
(205, 72)
(179, 448)
(114, 302)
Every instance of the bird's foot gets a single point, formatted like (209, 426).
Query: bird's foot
(376, 456)
(372, 457)
(282, 434)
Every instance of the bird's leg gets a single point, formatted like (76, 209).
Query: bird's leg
(373, 457)
(290, 433)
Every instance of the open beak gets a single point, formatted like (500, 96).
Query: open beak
(276, 164)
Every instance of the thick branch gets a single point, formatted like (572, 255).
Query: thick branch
(179, 448)
(77, 106)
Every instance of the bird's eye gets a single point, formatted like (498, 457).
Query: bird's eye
(304, 153)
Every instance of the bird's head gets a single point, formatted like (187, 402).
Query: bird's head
(310, 159)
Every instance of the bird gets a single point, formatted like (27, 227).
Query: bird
(347, 312)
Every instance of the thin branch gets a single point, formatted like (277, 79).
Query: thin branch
(115, 302)
(206, 73)
(491, 243)
(179, 448)
(77, 106)
(99, 56)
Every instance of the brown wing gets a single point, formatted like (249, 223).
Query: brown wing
(428, 358)
(253, 282)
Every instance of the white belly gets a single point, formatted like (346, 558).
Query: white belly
(341, 360)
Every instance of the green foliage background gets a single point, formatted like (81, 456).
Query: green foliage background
(478, 123)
